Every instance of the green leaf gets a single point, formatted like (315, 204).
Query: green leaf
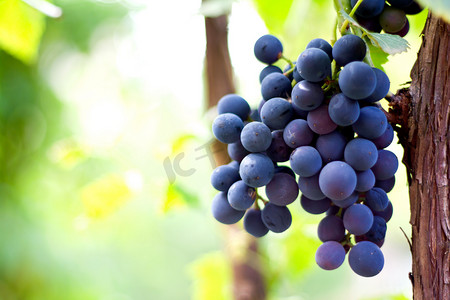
(438, 7)
(21, 29)
(389, 43)
(273, 13)
(177, 196)
(376, 55)
(215, 8)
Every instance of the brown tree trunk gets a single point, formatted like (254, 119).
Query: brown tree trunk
(425, 136)
(248, 281)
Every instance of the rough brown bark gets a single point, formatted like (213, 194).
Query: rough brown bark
(248, 281)
(425, 136)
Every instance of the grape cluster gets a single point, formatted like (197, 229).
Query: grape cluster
(376, 15)
(327, 124)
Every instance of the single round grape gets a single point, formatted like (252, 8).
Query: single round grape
(253, 223)
(234, 104)
(387, 185)
(330, 255)
(268, 49)
(358, 219)
(349, 48)
(227, 128)
(305, 161)
(236, 151)
(385, 139)
(392, 19)
(282, 190)
(267, 70)
(385, 214)
(357, 80)
(276, 218)
(309, 186)
(256, 170)
(275, 85)
(337, 180)
(319, 120)
(349, 201)
(377, 232)
(314, 65)
(307, 95)
(365, 180)
(241, 196)
(322, 45)
(223, 177)
(297, 133)
(361, 154)
(256, 137)
(343, 110)
(386, 165)
(382, 87)
(331, 146)
(369, 8)
(223, 212)
(331, 228)
(276, 113)
(366, 259)
(376, 199)
(371, 124)
(278, 151)
(315, 207)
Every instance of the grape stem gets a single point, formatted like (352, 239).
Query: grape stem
(289, 62)
(352, 13)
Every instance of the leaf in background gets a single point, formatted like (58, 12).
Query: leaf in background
(273, 13)
(389, 43)
(376, 55)
(212, 277)
(438, 7)
(177, 196)
(105, 196)
(21, 29)
(215, 8)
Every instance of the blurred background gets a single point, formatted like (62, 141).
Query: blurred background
(105, 151)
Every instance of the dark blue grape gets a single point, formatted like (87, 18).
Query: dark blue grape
(357, 80)
(330, 255)
(349, 48)
(236, 151)
(309, 186)
(278, 151)
(331, 146)
(223, 212)
(275, 85)
(337, 180)
(256, 169)
(333, 210)
(371, 24)
(377, 232)
(254, 115)
(372, 123)
(276, 113)
(227, 128)
(369, 8)
(361, 154)
(223, 177)
(234, 104)
(315, 207)
(241, 196)
(253, 223)
(268, 49)
(305, 161)
(307, 95)
(366, 259)
(343, 110)
(385, 139)
(358, 219)
(413, 9)
(387, 185)
(282, 190)
(256, 137)
(349, 201)
(392, 19)
(365, 180)
(314, 65)
(322, 45)
(331, 228)
(376, 199)
(386, 165)
(284, 169)
(297, 133)
(319, 120)
(276, 218)
(267, 70)
(299, 113)
(385, 214)
(400, 3)
(382, 87)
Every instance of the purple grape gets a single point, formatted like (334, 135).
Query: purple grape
(358, 219)
(330, 255)
(337, 180)
(282, 190)
(366, 259)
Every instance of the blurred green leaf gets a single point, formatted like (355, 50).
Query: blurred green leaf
(178, 196)
(21, 29)
(377, 56)
(215, 8)
(438, 7)
(212, 277)
(274, 13)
